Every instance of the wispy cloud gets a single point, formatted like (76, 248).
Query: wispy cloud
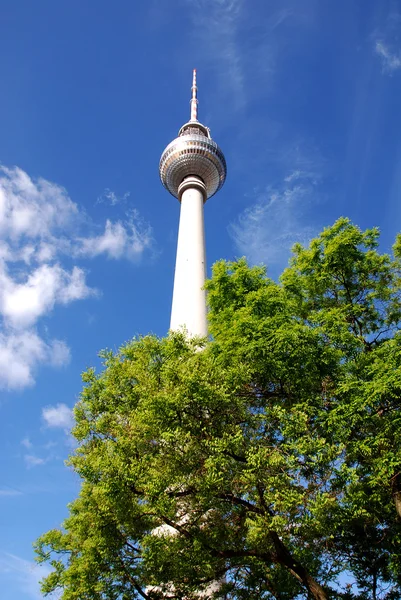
(112, 198)
(266, 230)
(26, 442)
(9, 492)
(39, 226)
(391, 59)
(23, 575)
(216, 23)
(386, 43)
(243, 46)
(31, 460)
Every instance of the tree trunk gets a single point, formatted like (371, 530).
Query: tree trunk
(374, 586)
(284, 557)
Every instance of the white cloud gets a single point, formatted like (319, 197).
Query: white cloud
(266, 231)
(20, 354)
(39, 224)
(33, 461)
(59, 416)
(32, 208)
(21, 304)
(118, 240)
(26, 442)
(24, 574)
(391, 59)
(35, 217)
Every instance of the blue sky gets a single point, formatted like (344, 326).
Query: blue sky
(302, 96)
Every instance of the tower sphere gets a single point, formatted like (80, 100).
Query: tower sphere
(193, 153)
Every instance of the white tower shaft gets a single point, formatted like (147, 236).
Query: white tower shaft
(189, 297)
(192, 168)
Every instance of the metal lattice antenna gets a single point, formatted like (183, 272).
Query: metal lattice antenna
(194, 99)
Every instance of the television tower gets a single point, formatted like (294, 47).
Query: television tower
(192, 168)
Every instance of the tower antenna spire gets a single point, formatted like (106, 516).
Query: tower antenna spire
(194, 99)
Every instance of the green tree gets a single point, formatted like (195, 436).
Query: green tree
(269, 461)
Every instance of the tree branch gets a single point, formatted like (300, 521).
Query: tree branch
(284, 557)
(240, 502)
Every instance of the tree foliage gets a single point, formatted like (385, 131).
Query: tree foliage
(268, 462)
